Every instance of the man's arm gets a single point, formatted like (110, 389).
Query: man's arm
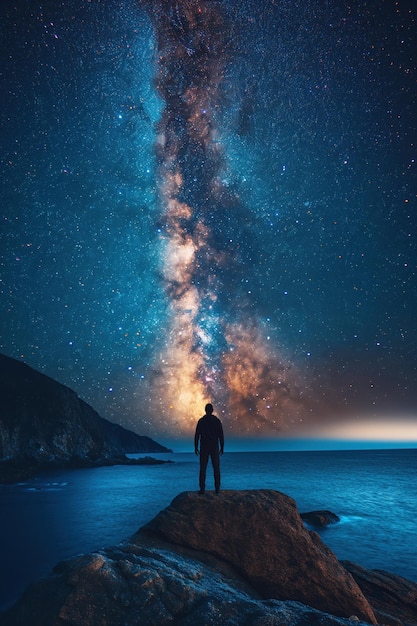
(221, 437)
(197, 437)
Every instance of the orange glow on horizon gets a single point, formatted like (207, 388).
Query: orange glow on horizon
(386, 428)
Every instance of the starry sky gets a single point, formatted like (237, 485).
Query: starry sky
(212, 201)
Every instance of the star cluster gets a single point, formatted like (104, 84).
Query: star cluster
(216, 210)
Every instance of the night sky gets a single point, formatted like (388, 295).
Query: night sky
(212, 201)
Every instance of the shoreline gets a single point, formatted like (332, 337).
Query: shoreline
(15, 471)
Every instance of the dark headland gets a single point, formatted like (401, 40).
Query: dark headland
(44, 424)
(240, 558)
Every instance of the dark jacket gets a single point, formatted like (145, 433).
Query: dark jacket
(209, 432)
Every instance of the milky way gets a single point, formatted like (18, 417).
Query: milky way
(216, 349)
(212, 201)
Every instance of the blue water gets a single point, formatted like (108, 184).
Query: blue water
(64, 513)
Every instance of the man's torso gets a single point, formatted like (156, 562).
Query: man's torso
(209, 429)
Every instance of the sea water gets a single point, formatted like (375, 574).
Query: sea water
(63, 513)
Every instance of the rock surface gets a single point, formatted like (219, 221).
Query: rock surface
(320, 519)
(261, 534)
(42, 421)
(134, 584)
(393, 598)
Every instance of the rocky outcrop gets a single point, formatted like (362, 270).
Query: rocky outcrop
(238, 558)
(261, 534)
(42, 421)
(393, 598)
(320, 519)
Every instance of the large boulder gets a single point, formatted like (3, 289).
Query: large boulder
(261, 534)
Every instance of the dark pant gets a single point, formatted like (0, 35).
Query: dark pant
(215, 461)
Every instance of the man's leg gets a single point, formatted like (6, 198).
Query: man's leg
(215, 460)
(203, 467)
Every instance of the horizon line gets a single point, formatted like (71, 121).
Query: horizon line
(292, 444)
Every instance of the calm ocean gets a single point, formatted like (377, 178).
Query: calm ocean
(64, 513)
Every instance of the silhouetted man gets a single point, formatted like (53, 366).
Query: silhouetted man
(209, 433)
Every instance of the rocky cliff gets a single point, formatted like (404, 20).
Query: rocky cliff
(128, 441)
(236, 559)
(42, 421)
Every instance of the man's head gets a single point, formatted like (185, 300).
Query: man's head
(209, 409)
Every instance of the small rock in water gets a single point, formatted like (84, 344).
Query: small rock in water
(320, 518)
